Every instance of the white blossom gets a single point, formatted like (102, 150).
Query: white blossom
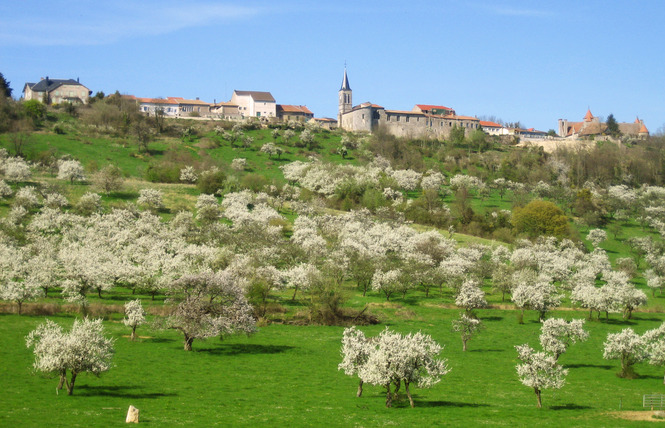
(83, 349)
(539, 371)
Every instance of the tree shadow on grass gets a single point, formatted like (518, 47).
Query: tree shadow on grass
(448, 404)
(618, 321)
(237, 348)
(595, 366)
(487, 350)
(159, 340)
(125, 196)
(569, 406)
(492, 318)
(124, 391)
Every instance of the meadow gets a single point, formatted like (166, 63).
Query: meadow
(286, 373)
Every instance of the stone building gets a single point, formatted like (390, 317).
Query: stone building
(423, 121)
(56, 91)
(287, 113)
(592, 126)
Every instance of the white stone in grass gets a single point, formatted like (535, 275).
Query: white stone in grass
(132, 415)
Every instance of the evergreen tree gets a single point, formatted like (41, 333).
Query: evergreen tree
(4, 87)
(612, 126)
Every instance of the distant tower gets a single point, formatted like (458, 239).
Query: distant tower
(345, 99)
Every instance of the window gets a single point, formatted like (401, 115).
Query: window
(407, 119)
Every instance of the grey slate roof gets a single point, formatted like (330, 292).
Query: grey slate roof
(47, 84)
(345, 83)
(258, 95)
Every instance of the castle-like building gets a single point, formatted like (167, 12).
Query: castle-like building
(592, 126)
(423, 121)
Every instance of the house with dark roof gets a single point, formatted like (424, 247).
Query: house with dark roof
(56, 91)
(592, 126)
(286, 113)
(255, 104)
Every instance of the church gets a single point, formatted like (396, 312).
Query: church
(423, 121)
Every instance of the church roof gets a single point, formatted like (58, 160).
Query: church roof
(345, 83)
(588, 117)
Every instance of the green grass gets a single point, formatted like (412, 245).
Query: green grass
(287, 376)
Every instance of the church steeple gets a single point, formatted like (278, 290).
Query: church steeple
(345, 99)
(345, 82)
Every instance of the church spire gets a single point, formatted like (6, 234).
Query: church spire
(345, 82)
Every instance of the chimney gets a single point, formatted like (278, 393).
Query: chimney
(197, 98)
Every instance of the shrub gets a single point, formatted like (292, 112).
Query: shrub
(540, 218)
(163, 172)
(212, 180)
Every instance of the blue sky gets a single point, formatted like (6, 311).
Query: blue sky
(528, 61)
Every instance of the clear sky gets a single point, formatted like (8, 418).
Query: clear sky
(528, 61)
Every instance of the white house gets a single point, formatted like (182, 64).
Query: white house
(254, 103)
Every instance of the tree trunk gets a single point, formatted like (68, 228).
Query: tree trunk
(99, 293)
(389, 396)
(45, 291)
(396, 392)
(188, 343)
(293, 299)
(540, 404)
(63, 378)
(408, 394)
(70, 384)
(133, 337)
(463, 345)
(20, 305)
(360, 388)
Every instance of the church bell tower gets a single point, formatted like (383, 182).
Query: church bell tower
(345, 99)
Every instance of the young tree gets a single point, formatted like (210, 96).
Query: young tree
(539, 371)
(135, 316)
(395, 358)
(210, 304)
(151, 199)
(467, 327)
(70, 170)
(83, 349)
(556, 335)
(355, 352)
(470, 296)
(108, 179)
(655, 346)
(188, 175)
(627, 346)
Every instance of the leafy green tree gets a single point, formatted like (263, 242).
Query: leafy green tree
(35, 110)
(540, 218)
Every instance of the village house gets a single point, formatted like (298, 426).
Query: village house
(226, 110)
(592, 126)
(423, 121)
(57, 91)
(255, 104)
(493, 128)
(172, 106)
(287, 113)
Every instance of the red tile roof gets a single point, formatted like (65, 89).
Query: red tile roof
(488, 124)
(294, 109)
(588, 117)
(427, 107)
(643, 130)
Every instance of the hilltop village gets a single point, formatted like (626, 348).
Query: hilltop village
(422, 121)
